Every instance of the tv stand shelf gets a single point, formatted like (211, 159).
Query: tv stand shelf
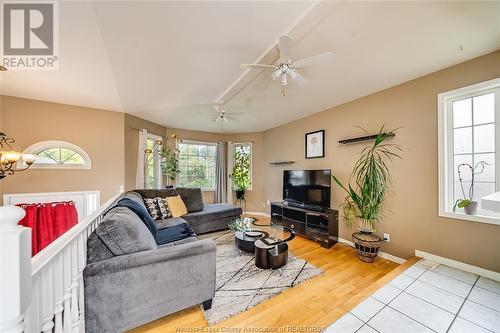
(321, 227)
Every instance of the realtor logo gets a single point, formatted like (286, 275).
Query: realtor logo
(29, 35)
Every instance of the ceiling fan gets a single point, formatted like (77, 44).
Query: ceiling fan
(222, 115)
(286, 67)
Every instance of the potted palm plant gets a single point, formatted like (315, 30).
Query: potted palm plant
(363, 203)
(241, 172)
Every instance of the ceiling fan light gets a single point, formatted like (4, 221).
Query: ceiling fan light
(276, 74)
(292, 73)
(284, 80)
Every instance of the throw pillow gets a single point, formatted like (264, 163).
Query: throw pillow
(152, 206)
(177, 206)
(164, 210)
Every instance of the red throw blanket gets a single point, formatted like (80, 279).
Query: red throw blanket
(48, 221)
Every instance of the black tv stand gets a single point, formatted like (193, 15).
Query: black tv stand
(303, 206)
(321, 226)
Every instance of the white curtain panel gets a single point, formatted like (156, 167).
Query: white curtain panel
(221, 173)
(139, 178)
(230, 153)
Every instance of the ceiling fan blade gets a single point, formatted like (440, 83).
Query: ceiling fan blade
(313, 60)
(231, 118)
(284, 47)
(302, 81)
(257, 66)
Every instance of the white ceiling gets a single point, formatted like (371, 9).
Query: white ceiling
(166, 61)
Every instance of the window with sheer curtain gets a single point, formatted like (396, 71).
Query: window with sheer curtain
(469, 136)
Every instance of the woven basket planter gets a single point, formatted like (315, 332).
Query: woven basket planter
(367, 245)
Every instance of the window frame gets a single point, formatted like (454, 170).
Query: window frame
(157, 174)
(236, 144)
(44, 145)
(195, 142)
(445, 148)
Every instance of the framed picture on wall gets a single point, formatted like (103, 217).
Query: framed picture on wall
(315, 144)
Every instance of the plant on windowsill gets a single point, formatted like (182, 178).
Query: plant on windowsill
(467, 203)
(363, 203)
(241, 172)
(169, 164)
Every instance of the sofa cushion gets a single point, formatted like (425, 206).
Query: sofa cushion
(168, 192)
(176, 206)
(123, 232)
(192, 197)
(164, 210)
(162, 224)
(134, 196)
(212, 212)
(152, 207)
(179, 242)
(96, 249)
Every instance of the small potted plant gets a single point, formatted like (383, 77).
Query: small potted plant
(241, 172)
(363, 203)
(169, 164)
(467, 202)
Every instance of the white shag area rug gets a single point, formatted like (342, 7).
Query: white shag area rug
(240, 285)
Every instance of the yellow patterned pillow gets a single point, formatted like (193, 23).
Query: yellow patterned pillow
(176, 206)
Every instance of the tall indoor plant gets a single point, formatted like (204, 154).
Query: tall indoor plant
(363, 203)
(169, 164)
(241, 172)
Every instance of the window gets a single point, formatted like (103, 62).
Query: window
(59, 155)
(469, 136)
(244, 149)
(152, 161)
(197, 162)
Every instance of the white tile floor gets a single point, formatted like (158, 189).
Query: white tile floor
(442, 299)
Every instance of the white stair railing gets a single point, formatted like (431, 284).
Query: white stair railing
(44, 293)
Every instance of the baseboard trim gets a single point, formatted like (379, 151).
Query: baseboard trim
(384, 255)
(257, 213)
(458, 265)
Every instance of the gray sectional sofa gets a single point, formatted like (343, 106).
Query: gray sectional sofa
(129, 280)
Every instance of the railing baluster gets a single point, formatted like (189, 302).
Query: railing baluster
(75, 312)
(82, 254)
(67, 291)
(58, 293)
(47, 300)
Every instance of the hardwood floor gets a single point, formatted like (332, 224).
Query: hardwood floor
(310, 306)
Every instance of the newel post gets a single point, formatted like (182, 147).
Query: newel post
(15, 269)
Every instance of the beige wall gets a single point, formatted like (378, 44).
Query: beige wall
(412, 210)
(98, 132)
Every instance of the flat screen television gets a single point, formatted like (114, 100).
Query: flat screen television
(307, 188)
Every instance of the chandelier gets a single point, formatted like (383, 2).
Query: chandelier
(9, 157)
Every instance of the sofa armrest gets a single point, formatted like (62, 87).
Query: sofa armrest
(130, 290)
(144, 258)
